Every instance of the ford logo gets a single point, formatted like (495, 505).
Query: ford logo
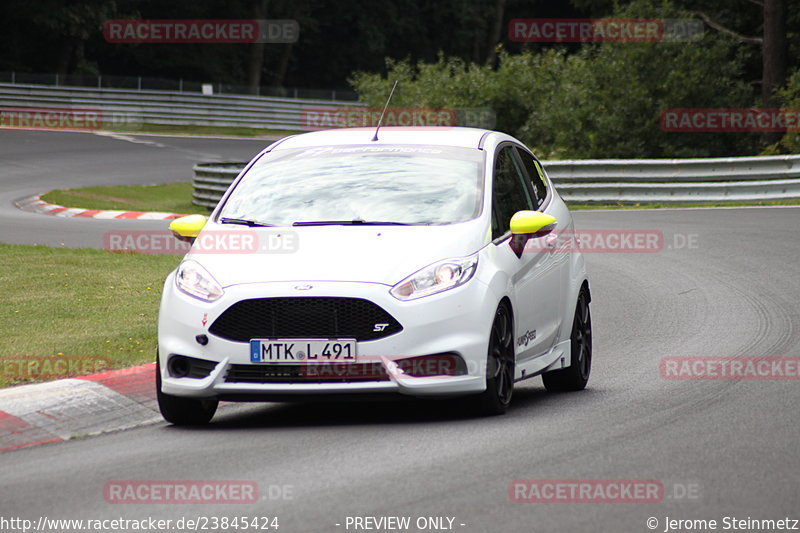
(303, 287)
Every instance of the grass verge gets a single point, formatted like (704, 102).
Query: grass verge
(230, 131)
(87, 305)
(170, 197)
(586, 207)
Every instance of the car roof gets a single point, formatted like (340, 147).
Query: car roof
(436, 136)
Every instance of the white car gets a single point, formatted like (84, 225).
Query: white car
(424, 263)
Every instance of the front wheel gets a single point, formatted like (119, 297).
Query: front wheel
(576, 375)
(183, 411)
(499, 366)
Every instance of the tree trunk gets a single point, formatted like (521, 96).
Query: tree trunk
(283, 65)
(64, 57)
(773, 51)
(256, 61)
(495, 34)
(279, 77)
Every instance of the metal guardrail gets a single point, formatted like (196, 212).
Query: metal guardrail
(744, 191)
(211, 180)
(618, 180)
(145, 83)
(675, 170)
(598, 181)
(130, 109)
(729, 179)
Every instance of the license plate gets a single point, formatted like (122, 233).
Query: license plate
(300, 351)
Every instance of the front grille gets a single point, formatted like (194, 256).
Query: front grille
(444, 364)
(305, 317)
(308, 373)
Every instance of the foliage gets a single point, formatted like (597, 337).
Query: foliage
(603, 101)
(568, 100)
(789, 97)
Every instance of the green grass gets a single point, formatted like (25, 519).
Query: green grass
(170, 197)
(89, 304)
(232, 131)
(585, 207)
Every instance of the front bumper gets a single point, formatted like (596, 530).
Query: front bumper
(456, 321)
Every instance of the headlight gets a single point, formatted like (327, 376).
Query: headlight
(195, 281)
(436, 278)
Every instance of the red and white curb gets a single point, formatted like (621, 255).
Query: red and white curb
(55, 411)
(35, 204)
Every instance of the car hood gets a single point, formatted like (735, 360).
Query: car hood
(376, 254)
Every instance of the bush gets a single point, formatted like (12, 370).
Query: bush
(789, 97)
(603, 101)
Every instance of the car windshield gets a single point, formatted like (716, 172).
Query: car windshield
(361, 185)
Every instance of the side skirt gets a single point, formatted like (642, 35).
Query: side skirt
(557, 358)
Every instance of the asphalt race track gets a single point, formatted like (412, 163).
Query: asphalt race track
(725, 283)
(34, 162)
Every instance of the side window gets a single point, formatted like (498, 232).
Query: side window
(509, 193)
(534, 169)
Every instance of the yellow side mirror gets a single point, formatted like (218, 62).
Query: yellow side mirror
(532, 223)
(187, 228)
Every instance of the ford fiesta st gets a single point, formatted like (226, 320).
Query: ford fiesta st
(425, 263)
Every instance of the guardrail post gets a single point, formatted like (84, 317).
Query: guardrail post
(99, 82)
(56, 80)
(139, 84)
(180, 85)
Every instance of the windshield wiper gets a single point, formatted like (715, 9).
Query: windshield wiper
(356, 222)
(244, 222)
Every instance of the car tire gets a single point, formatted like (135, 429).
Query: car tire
(183, 411)
(576, 375)
(499, 365)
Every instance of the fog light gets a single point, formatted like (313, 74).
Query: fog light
(178, 366)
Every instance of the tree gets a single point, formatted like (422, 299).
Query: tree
(773, 45)
(773, 50)
(256, 60)
(603, 101)
(497, 28)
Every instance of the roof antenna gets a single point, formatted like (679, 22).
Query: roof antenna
(380, 120)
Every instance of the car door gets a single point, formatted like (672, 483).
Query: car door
(561, 241)
(535, 283)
